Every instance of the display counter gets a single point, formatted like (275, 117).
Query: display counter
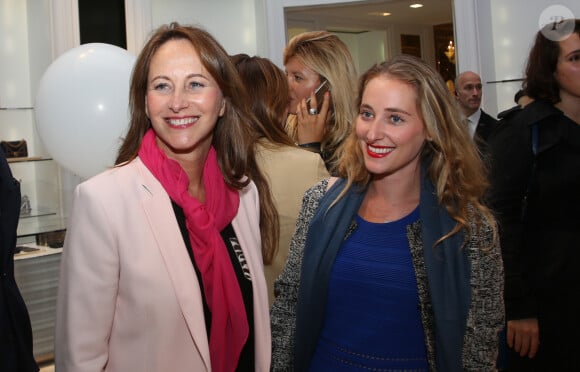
(36, 269)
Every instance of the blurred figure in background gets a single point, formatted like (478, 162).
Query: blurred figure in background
(289, 169)
(520, 99)
(15, 330)
(535, 183)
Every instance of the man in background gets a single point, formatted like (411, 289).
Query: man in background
(468, 92)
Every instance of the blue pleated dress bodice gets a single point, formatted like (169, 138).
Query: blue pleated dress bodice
(372, 317)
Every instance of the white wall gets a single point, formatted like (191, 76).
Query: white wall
(39, 42)
(237, 24)
(371, 49)
(14, 73)
(367, 48)
(24, 55)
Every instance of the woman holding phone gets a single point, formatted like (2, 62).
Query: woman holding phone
(322, 80)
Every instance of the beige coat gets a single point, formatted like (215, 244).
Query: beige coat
(291, 171)
(129, 298)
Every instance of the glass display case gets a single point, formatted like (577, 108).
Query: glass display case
(41, 210)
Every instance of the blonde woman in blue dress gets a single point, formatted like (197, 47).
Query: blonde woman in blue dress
(395, 265)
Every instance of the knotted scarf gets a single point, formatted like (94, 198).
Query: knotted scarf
(229, 323)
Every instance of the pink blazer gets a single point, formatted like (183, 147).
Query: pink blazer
(129, 299)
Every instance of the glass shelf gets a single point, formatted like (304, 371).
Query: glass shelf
(28, 159)
(39, 187)
(37, 213)
(40, 224)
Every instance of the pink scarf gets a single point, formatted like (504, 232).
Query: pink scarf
(229, 323)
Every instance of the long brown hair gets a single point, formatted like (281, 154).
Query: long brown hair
(232, 139)
(454, 165)
(266, 83)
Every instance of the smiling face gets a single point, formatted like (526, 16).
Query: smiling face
(389, 128)
(183, 101)
(567, 72)
(301, 80)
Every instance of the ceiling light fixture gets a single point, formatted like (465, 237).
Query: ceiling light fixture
(415, 6)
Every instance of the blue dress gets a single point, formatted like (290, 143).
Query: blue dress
(372, 318)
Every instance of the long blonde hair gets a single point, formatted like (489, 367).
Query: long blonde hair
(325, 54)
(454, 164)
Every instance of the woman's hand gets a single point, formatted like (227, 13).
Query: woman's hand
(523, 336)
(311, 127)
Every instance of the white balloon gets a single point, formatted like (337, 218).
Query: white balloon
(81, 107)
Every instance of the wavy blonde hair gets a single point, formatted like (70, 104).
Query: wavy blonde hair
(454, 164)
(325, 54)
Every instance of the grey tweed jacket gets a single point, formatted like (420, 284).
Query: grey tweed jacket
(486, 312)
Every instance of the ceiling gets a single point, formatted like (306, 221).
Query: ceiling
(363, 16)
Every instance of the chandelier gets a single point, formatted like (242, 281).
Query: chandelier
(450, 52)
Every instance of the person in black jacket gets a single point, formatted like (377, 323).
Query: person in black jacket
(535, 184)
(15, 330)
(468, 93)
(520, 99)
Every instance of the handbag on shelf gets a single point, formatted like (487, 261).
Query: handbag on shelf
(25, 208)
(14, 149)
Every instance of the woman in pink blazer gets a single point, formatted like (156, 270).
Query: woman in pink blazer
(162, 268)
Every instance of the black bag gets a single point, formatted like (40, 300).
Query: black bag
(14, 149)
